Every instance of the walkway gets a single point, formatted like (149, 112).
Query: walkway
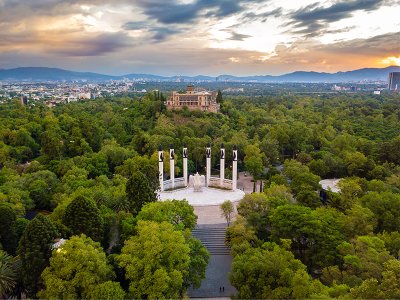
(213, 237)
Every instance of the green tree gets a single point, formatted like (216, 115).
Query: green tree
(306, 181)
(115, 154)
(219, 97)
(227, 209)
(240, 236)
(8, 274)
(75, 271)
(386, 208)
(308, 198)
(108, 290)
(34, 249)
(271, 272)
(392, 242)
(156, 261)
(357, 163)
(255, 208)
(293, 167)
(83, 216)
(253, 160)
(358, 221)
(52, 143)
(363, 258)
(315, 234)
(41, 186)
(149, 167)
(199, 258)
(386, 286)
(8, 237)
(176, 212)
(278, 194)
(139, 192)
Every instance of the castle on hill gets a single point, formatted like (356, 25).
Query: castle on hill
(194, 100)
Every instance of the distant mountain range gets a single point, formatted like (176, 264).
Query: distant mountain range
(54, 74)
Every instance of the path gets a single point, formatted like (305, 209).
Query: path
(211, 214)
(213, 237)
(245, 183)
(211, 226)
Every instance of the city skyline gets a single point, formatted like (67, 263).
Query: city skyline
(244, 37)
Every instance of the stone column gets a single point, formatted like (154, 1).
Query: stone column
(172, 165)
(222, 166)
(185, 164)
(161, 168)
(234, 168)
(208, 164)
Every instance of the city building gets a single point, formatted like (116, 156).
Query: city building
(193, 99)
(24, 99)
(394, 81)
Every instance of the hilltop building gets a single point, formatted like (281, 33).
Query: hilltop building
(394, 81)
(194, 100)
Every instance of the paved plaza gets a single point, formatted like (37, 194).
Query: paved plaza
(207, 196)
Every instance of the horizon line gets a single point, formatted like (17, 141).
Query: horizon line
(180, 75)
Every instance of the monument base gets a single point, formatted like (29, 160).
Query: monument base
(208, 196)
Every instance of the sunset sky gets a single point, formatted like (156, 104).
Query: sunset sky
(190, 37)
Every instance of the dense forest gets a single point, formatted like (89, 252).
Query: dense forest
(85, 175)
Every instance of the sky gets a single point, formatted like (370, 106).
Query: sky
(191, 37)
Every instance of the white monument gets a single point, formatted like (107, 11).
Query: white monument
(214, 190)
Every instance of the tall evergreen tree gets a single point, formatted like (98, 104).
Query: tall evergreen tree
(83, 216)
(35, 251)
(219, 97)
(8, 238)
(139, 191)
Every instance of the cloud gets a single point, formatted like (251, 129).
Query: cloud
(156, 33)
(307, 54)
(93, 45)
(313, 19)
(135, 25)
(381, 45)
(173, 12)
(263, 17)
(64, 42)
(234, 36)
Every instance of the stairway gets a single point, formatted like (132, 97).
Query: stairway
(213, 239)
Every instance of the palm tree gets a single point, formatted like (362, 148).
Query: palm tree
(8, 274)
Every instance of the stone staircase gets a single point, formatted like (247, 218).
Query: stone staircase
(213, 238)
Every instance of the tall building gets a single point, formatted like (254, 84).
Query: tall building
(24, 99)
(394, 81)
(194, 100)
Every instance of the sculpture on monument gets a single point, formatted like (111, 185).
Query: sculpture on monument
(197, 181)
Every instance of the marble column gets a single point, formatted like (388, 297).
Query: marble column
(172, 165)
(208, 164)
(234, 168)
(185, 165)
(161, 168)
(222, 166)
